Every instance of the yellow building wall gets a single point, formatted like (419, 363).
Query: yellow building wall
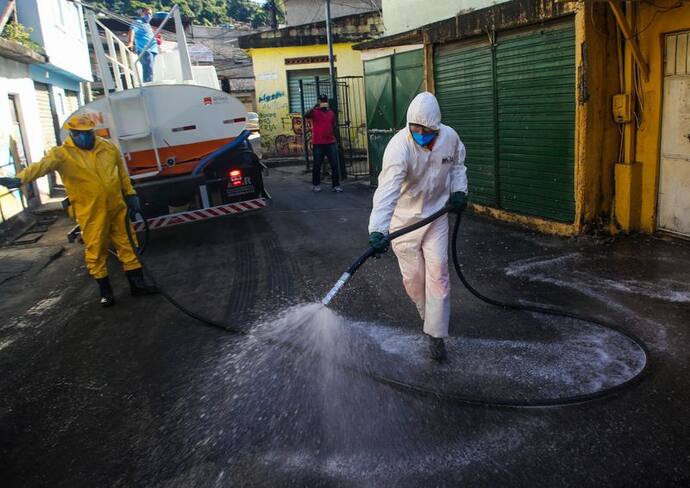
(281, 131)
(597, 136)
(652, 24)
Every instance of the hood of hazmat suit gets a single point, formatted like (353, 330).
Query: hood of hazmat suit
(96, 182)
(414, 183)
(417, 181)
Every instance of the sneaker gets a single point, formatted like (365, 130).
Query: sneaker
(437, 349)
(338, 189)
(316, 189)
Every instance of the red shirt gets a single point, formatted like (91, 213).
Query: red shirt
(322, 126)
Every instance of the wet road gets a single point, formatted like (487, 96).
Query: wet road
(141, 395)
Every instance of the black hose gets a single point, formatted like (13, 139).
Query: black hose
(434, 392)
(394, 235)
(511, 402)
(139, 251)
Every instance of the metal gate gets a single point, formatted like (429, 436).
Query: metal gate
(352, 148)
(352, 125)
(391, 84)
(513, 104)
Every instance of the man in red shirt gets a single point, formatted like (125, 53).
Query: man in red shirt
(323, 139)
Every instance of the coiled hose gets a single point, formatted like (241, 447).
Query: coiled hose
(423, 390)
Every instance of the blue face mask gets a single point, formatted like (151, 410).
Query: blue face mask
(83, 139)
(146, 18)
(423, 139)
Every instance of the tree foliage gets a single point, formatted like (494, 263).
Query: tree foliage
(205, 12)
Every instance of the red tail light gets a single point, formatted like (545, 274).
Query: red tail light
(235, 176)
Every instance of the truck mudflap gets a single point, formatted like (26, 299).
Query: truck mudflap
(201, 214)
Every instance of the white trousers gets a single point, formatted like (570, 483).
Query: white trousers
(423, 259)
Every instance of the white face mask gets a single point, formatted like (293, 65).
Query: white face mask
(323, 104)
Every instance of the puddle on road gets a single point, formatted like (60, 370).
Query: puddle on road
(571, 358)
(292, 412)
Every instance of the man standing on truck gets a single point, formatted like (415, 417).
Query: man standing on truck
(323, 122)
(139, 36)
(100, 194)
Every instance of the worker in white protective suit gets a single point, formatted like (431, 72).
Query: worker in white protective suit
(423, 169)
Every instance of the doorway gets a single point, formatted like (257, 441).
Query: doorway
(674, 169)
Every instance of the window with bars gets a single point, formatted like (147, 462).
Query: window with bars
(309, 79)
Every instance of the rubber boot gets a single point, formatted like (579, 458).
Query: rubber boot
(137, 283)
(437, 349)
(107, 297)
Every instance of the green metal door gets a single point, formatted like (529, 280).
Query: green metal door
(514, 108)
(391, 83)
(378, 94)
(408, 72)
(535, 86)
(463, 77)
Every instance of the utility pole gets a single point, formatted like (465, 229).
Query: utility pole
(331, 67)
(333, 84)
(273, 10)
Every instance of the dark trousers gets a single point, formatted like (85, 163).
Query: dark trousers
(331, 152)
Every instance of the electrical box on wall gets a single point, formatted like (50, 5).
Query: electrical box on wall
(621, 108)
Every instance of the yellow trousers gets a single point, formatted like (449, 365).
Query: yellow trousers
(99, 230)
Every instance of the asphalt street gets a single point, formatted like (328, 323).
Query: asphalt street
(142, 395)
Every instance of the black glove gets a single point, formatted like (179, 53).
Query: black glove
(459, 201)
(10, 182)
(379, 242)
(133, 205)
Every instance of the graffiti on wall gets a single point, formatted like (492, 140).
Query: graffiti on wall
(271, 105)
(292, 143)
(282, 133)
(268, 122)
(269, 97)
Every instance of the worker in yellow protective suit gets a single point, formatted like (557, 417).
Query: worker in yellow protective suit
(100, 194)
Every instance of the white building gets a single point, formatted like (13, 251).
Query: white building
(37, 93)
(299, 12)
(404, 15)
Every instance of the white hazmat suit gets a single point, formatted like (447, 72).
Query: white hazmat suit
(414, 183)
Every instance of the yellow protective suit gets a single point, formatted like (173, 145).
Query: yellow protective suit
(96, 181)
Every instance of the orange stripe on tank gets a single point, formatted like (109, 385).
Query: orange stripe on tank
(145, 161)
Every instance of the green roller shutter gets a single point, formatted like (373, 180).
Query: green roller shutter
(514, 108)
(535, 74)
(464, 87)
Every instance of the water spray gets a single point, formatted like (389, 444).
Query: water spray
(426, 390)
